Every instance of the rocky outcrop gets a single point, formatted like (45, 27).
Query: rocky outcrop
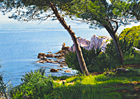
(97, 42)
(41, 55)
(50, 55)
(67, 71)
(54, 70)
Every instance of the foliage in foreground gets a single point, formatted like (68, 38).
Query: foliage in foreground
(35, 84)
(131, 35)
(2, 87)
(76, 87)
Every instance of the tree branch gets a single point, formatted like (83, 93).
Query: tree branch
(116, 25)
(110, 24)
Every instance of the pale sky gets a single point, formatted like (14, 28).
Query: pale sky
(4, 20)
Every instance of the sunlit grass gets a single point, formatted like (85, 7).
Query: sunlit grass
(94, 87)
(100, 86)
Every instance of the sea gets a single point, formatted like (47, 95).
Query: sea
(20, 43)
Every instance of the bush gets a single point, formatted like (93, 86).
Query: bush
(35, 85)
(131, 35)
(72, 61)
(89, 56)
(105, 61)
(2, 87)
(132, 57)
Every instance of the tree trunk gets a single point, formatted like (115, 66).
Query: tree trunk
(74, 38)
(119, 51)
(117, 46)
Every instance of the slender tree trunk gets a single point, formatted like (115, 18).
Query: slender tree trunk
(119, 51)
(74, 38)
(117, 46)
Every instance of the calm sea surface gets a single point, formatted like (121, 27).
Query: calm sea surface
(20, 44)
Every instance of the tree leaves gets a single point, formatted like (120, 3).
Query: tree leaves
(116, 12)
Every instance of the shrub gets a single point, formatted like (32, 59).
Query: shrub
(131, 35)
(89, 56)
(35, 85)
(2, 87)
(72, 61)
(132, 57)
(105, 61)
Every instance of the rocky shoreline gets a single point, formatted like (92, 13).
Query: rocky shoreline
(57, 58)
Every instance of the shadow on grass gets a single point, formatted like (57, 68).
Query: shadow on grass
(105, 88)
(112, 90)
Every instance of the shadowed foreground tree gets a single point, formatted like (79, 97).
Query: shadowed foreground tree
(103, 14)
(27, 10)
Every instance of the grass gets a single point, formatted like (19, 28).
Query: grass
(100, 86)
(97, 87)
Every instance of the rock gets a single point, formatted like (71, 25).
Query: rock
(59, 69)
(54, 62)
(67, 71)
(41, 61)
(65, 64)
(58, 52)
(51, 61)
(65, 48)
(119, 70)
(49, 52)
(61, 65)
(97, 42)
(48, 61)
(41, 55)
(56, 56)
(62, 62)
(59, 57)
(44, 59)
(62, 55)
(66, 52)
(57, 61)
(50, 55)
(54, 70)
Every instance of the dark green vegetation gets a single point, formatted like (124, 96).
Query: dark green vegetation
(2, 87)
(131, 35)
(35, 84)
(99, 61)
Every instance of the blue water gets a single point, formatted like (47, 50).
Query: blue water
(20, 44)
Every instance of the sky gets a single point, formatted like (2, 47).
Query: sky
(5, 22)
